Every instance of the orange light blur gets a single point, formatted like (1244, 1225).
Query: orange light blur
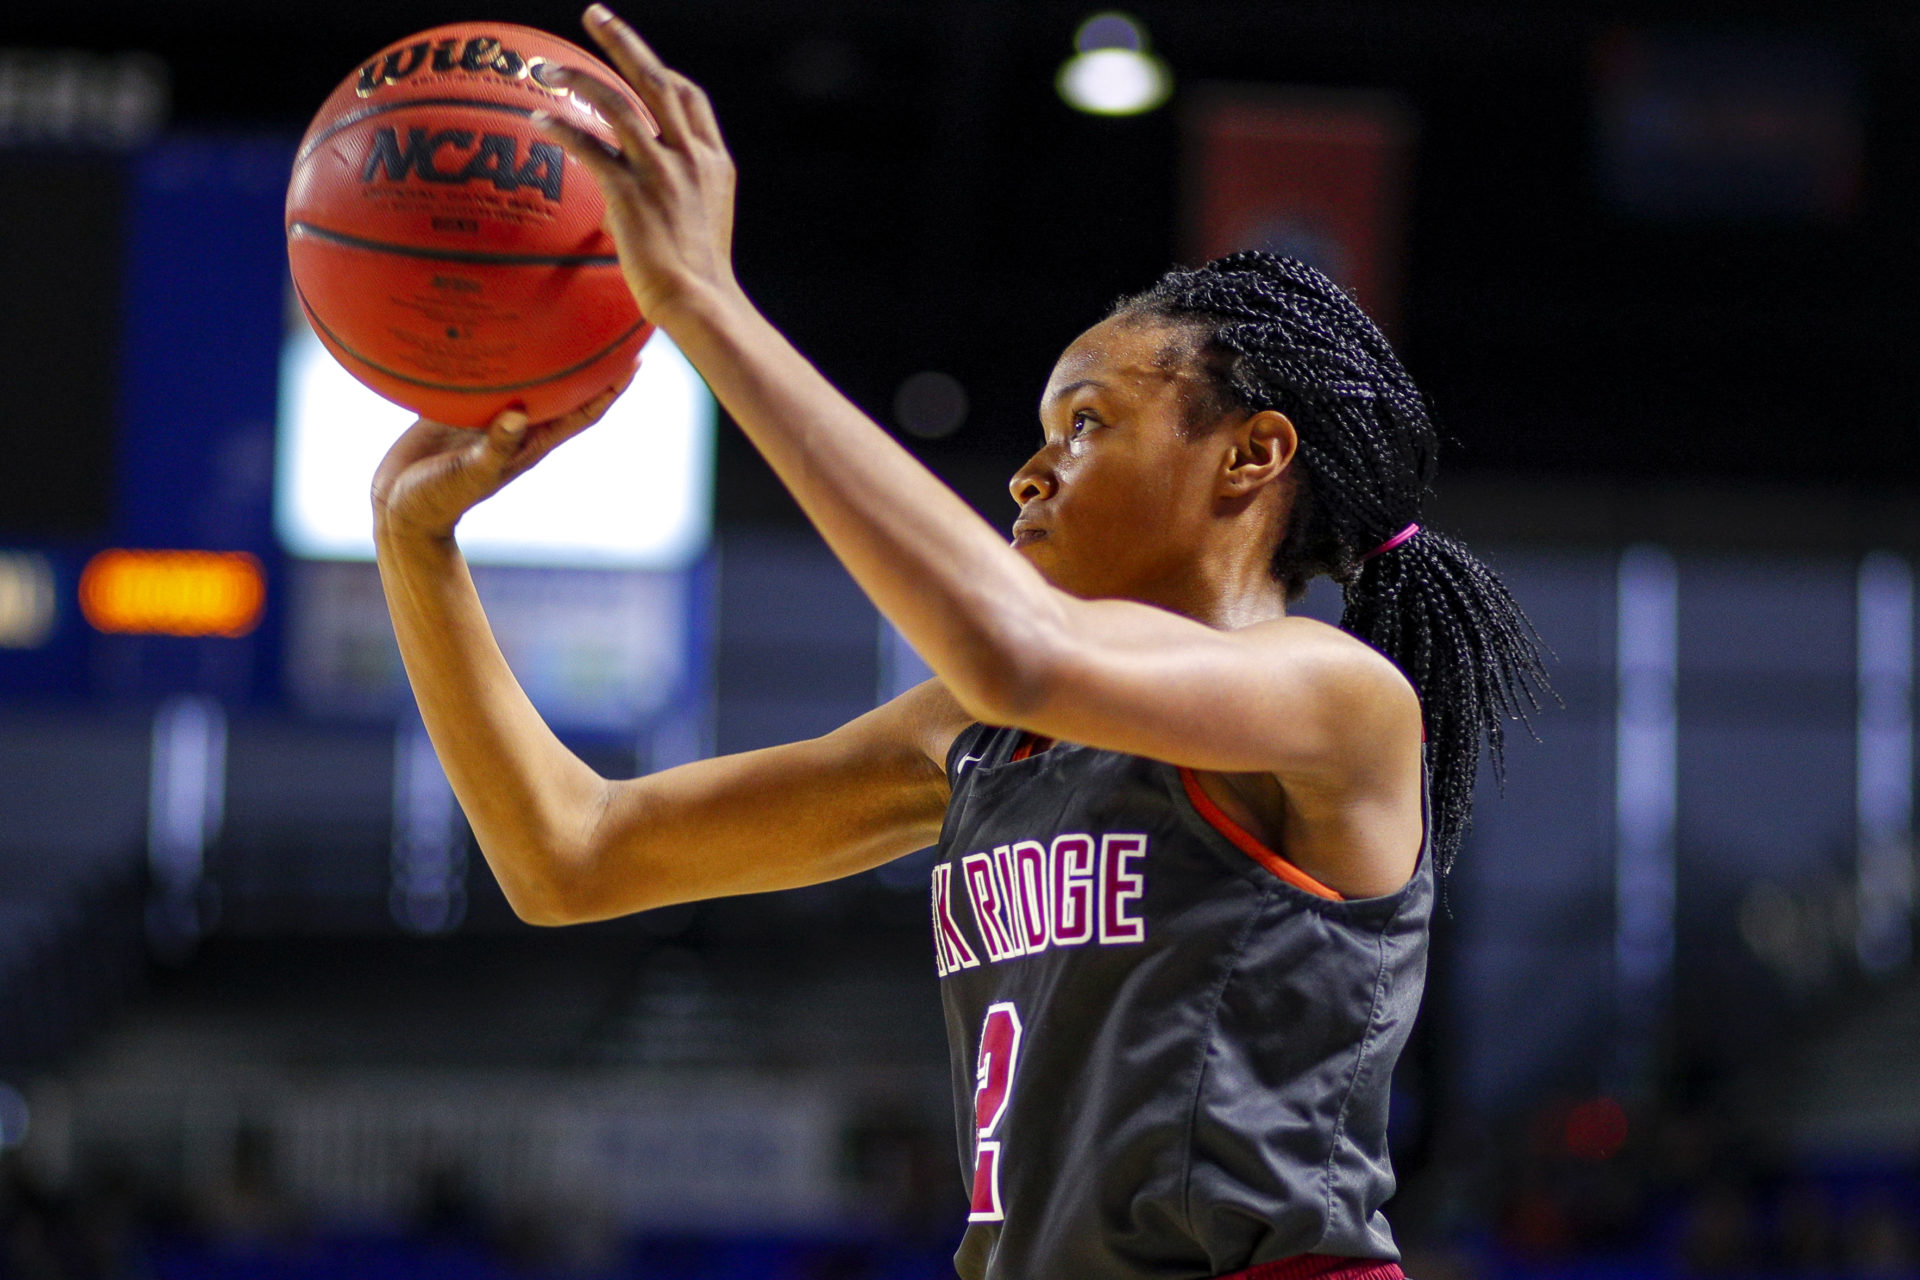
(173, 593)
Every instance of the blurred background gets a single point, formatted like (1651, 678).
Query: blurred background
(263, 1011)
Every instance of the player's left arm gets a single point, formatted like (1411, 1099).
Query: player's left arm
(1291, 697)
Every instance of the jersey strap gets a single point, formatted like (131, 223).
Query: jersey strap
(1029, 744)
(1247, 843)
(1318, 1266)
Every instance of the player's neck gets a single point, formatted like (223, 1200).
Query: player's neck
(1243, 611)
(1226, 601)
(1229, 583)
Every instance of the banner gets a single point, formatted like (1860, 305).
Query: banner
(1318, 176)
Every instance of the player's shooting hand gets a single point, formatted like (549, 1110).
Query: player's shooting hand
(669, 185)
(434, 473)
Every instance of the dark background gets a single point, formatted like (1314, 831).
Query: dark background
(914, 194)
(1734, 383)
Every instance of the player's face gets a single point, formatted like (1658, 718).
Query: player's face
(1116, 501)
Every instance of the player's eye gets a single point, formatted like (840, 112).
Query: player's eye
(1081, 421)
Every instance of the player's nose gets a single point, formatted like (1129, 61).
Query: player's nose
(1034, 481)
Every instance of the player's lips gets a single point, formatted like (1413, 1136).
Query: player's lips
(1025, 531)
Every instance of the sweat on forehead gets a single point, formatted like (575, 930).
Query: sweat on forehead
(1140, 349)
(1176, 345)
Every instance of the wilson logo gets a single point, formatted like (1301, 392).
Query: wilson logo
(481, 55)
(454, 157)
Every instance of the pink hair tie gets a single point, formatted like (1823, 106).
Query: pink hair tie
(1391, 543)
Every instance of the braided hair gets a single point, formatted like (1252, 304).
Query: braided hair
(1273, 333)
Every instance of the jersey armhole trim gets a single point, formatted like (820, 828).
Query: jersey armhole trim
(1030, 744)
(1248, 843)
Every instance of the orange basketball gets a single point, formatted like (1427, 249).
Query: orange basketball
(448, 253)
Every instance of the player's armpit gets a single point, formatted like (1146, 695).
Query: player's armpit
(797, 814)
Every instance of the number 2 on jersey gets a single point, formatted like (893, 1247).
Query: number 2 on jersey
(999, 1052)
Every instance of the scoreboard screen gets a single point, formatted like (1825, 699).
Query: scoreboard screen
(185, 508)
(630, 492)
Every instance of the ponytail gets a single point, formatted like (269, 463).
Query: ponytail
(1456, 632)
(1276, 334)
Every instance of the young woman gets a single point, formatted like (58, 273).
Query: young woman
(1187, 847)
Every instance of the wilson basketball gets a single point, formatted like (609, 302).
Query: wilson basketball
(445, 251)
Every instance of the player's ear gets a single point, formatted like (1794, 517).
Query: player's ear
(1262, 446)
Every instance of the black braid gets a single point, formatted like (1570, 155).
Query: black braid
(1276, 334)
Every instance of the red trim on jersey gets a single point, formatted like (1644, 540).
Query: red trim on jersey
(1250, 845)
(1318, 1266)
(1029, 744)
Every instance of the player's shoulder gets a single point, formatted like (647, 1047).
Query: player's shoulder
(1350, 674)
(1311, 640)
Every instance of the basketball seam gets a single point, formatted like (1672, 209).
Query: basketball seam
(476, 257)
(556, 376)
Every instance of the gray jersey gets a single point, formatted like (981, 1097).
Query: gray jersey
(1171, 1052)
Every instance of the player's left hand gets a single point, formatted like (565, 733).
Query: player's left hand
(434, 473)
(669, 186)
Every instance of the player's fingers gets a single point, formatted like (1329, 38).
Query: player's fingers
(595, 409)
(592, 411)
(542, 438)
(700, 118)
(557, 432)
(504, 436)
(594, 155)
(636, 130)
(651, 78)
(513, 444)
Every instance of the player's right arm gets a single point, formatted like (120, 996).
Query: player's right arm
(568, 845)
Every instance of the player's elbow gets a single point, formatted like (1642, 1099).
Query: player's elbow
(553, 866)
(1019, 670)
(549, 887)
(544, 900)
(557, 900)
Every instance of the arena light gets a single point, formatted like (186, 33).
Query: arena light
(173, 593)
(27, 608)
(634, 492)
(1112, 72)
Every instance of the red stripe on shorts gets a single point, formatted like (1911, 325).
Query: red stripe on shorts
(1318, 1266)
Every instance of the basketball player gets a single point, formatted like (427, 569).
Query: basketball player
(1187, 850)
